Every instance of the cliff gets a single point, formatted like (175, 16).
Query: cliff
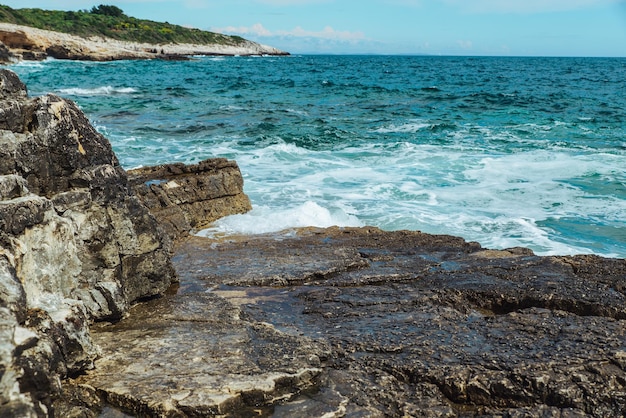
(24, 42)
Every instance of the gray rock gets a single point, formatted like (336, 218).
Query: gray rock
(76, 245)
(185, 198)
(6, 56)
(383, 323)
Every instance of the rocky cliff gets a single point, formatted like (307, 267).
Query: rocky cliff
(23, 42)
(76, 245)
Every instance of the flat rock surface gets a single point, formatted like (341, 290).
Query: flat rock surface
(365, 323)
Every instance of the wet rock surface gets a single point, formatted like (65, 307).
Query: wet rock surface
(189, 197)
(360, 322)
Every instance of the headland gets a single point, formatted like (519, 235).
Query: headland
(18, 42)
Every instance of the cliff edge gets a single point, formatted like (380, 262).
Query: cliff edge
(24, 42)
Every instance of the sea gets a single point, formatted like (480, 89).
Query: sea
(505, 151)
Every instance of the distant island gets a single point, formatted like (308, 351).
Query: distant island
(106, 33)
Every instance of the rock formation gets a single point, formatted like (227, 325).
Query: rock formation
(366, 323)
(189, 197)
(24, 42)
(76, 245)
(6, 56)
(309, 323)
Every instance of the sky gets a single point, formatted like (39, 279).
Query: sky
(434, 27)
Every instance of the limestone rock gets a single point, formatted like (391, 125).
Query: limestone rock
(76, 245)
(362, 322)
(6, 56)
(28, 43)
(195, 355)
(189, 197)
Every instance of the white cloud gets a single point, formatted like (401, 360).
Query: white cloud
(525, 6)
(291, 2)
(467, 45)
(259, 30)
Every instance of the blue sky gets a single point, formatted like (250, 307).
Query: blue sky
(447, 27)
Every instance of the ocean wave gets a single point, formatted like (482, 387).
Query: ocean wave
(264, 220)
(97, 91)
(505, 152)
(411, 127)
(29, 64)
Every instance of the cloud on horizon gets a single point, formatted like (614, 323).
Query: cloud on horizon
(328, 33)
(291, 2)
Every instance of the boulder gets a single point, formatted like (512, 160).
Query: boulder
(6, 56)
(76, 246)
(185, 198)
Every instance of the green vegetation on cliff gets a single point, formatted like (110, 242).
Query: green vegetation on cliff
(111, 22)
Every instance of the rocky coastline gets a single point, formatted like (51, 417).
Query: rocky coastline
(19, 42)
(110, 306)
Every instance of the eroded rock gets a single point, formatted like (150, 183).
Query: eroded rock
(6, 56)
(195, 355)
(394, 323)
(76, 245)
(184, 198)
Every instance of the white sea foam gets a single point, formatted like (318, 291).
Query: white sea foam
(297, 112)
(263, 219)
(97, 91)
(232, 108)
(502, 177)
(29, 64)
(410, 127)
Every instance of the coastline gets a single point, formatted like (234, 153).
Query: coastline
(27, 43)
(108, 307)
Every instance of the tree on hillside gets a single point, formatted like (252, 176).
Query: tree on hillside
(107, 10)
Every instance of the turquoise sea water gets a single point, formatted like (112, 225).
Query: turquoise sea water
(504, 151)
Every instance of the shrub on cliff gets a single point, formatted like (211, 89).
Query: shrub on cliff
(107, 10)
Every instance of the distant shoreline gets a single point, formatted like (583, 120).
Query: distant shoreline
(32, 44)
